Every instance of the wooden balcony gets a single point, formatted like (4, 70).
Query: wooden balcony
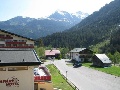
(6, 37)
(15, 42)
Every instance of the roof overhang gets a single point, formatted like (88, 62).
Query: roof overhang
(20, 64)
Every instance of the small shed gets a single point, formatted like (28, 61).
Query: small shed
(101, 60)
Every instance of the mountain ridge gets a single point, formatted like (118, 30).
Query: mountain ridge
(93, 29)
(36, 28)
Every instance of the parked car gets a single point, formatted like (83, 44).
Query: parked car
(77, 64)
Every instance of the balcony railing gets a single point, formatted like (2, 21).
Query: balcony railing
(13, 42)
(42, 78)
(6, 37)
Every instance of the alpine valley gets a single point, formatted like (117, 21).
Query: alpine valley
(41, 27)
(100, 29)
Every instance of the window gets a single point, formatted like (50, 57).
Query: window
(26, 44)
(30, 44)
(15, 45)
(1, 45)
(8, 40)
(22, 40)
(1, 35)
(2, 69)
(8, 45)
(1, 39)
(17, 68)
(15, 40)
(7, 35)
(20, 44)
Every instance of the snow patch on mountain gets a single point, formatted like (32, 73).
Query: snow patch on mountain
(67, 17)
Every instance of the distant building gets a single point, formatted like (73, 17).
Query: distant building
(17, 61)
(52, 53)
(81, 54)
(101, 60)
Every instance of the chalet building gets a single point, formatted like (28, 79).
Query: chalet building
(52, 53)
(17, 62)
(101, 60)
(81, 54)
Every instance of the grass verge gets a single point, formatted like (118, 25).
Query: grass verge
(57, 79)
(113, 70)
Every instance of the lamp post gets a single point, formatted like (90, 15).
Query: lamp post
(66, 75)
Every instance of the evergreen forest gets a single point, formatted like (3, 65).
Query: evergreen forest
(99, 32)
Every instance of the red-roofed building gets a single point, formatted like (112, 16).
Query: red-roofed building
(52, 53)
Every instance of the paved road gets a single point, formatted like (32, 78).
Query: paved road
(88, 79)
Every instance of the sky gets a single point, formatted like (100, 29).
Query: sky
(42, 8)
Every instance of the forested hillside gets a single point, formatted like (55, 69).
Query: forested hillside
(114, 44)
(99, 26)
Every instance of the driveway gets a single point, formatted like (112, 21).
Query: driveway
(88, 79)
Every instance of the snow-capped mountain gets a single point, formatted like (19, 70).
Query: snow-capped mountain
(68, 17)
(80, 14)
(36, 28)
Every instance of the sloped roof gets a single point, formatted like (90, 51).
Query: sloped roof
(103, 58)
(49, 52)
(18, 57)
(56, 51)
(52, 52)
(77, 49)
(16, 35)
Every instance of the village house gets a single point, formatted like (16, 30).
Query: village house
(81, 54)
(54, 53)
(17, 62)
(101, 60)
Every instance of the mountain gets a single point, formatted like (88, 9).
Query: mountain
(72, 18)
(36, 28)
(97, 27)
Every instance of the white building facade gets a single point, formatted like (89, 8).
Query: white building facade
(17, 61)
(19, 79)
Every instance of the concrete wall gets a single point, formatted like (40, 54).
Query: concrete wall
(17, 80)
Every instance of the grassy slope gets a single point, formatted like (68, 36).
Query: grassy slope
(113, 70)
(57, 79)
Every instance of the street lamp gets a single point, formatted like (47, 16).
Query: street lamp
(66, 75)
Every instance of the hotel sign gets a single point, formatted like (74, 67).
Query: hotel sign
(10, 82)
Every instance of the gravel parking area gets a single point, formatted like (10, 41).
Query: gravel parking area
(88, 79)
